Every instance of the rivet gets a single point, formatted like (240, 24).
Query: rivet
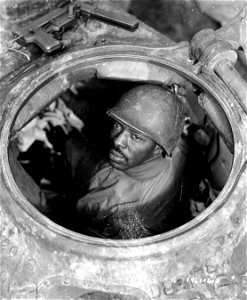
(179, 284)
(210, 269)
(168, 289)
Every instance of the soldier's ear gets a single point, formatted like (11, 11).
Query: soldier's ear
(158, 150)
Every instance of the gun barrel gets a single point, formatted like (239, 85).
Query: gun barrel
(127, 22)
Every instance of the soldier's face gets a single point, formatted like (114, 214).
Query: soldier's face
(129, 147)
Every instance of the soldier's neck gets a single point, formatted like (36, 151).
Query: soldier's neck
(149, 169)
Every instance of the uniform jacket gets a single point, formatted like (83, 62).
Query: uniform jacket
(134, 203)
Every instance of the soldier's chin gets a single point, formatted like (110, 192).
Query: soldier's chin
(118, 165)
(117, 160)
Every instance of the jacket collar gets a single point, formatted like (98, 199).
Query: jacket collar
(149, 169)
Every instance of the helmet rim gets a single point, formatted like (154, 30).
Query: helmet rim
(153, 111)
(121, 120)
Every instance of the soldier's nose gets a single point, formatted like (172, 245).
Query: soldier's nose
(121, 140)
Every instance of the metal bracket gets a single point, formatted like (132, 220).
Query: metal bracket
(216, 55)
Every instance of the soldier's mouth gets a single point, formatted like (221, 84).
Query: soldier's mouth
(116, 156)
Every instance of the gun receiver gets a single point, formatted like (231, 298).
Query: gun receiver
(41, 32)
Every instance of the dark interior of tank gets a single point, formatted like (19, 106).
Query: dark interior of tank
(60, 148)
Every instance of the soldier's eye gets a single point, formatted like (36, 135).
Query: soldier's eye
(117, 126)
(137, 137)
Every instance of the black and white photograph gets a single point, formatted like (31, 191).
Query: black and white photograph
(123, 149)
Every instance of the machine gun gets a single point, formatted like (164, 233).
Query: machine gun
(44, 31)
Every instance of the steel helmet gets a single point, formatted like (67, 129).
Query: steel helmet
(152, 111)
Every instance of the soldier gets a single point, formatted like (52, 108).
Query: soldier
(134, 194)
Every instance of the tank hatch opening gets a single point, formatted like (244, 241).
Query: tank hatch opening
(59, 158)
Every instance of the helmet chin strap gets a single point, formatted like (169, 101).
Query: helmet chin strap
(157, 155)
